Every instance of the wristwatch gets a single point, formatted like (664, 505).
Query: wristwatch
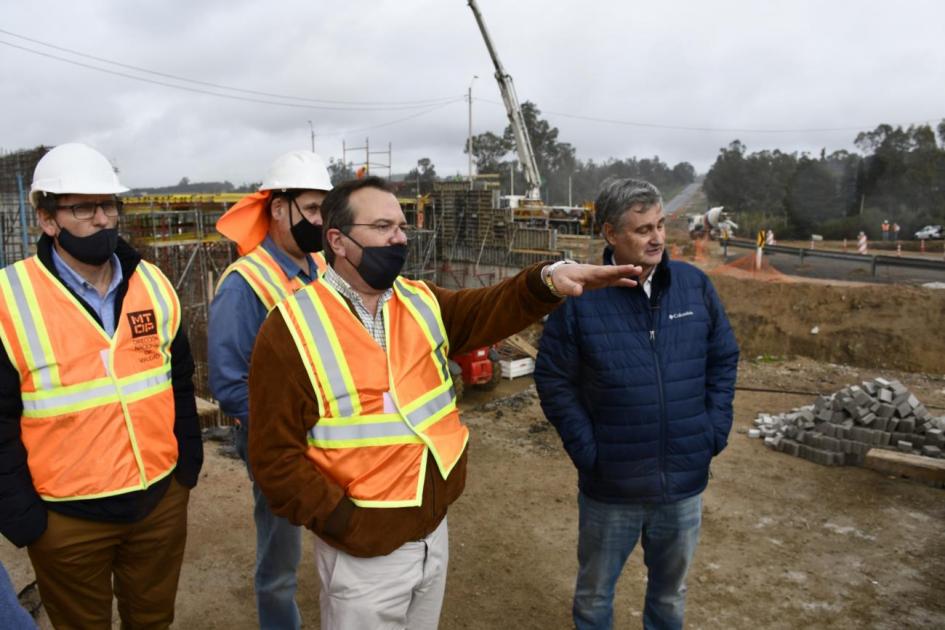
(546, 275)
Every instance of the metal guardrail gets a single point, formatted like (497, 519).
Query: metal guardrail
(873, 261)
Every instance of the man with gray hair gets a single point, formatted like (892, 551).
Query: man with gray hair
(639, 384)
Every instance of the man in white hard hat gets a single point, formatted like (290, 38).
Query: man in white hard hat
(278, 233)
(99, 438)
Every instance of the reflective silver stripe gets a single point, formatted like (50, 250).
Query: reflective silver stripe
(327, 354)
(106, 389)
(267, 278)
(75, 398)
(431, 407)
(374, 430)
(29, 326)
(151, 381)
(159, 296)
(432, 324)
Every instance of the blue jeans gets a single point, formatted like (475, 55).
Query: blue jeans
(608, 532)
(278, 552)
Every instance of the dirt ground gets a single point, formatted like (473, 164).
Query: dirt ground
(785, 543)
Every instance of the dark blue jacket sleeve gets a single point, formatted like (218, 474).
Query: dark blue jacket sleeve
(721, 369)
(557, 378)
(186, 422)
(22, 512)
(236, 315)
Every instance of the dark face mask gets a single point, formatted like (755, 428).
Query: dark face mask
(307, 235)
(380, 266)
(94, 249)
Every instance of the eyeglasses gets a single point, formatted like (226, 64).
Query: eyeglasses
(86, 210)
(386, 228)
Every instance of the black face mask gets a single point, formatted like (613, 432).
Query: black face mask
(380, 266)
(307, 235)
(94, 249)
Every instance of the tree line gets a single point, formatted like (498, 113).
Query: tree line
(565, 178)
(898, 177)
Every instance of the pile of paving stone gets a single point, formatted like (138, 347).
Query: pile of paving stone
(841, 428)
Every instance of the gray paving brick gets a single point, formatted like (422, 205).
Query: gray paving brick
(907, 425)
(931, 451)
(885, 410)
(885, 395)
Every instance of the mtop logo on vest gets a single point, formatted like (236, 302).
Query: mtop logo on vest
(143, 323)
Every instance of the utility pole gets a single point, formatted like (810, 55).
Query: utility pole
(312, 128)
(470, 141)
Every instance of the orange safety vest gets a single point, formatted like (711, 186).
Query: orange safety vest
(266, 278)
(380, 413)
(98, 412)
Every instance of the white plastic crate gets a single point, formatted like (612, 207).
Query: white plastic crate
(512, 368)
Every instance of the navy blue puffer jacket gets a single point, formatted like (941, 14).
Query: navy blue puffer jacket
(641, 390)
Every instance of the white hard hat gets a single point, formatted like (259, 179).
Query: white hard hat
(74, 168)
(297, 170)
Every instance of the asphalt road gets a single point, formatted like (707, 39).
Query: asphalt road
(682, 198)
(830, 269)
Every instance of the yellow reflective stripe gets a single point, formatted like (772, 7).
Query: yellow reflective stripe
(373, 430)
(135, 449)
(163, 304)
(426, 312)
(435, 405)
(94, 393)
(262, 270)
(330, 361)
(290, 314)
(112, 493)
(29, 325)
(415, 501)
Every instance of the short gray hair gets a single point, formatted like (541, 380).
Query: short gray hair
(617, 195)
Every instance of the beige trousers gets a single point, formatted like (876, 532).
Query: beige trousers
(403, 589)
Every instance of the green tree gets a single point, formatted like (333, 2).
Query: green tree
(339, 171)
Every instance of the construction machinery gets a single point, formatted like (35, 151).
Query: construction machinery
(712, 224)
(476, 368)
(528, 209)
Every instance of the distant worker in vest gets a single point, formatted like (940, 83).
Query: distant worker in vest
(278, 231)
(639, 384)
(885, 228)
(99, 438)
(355, 431)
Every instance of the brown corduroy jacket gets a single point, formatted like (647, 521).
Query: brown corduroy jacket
(283, 408)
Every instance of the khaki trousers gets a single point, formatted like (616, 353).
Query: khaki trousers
(403, 589)
(76, 560)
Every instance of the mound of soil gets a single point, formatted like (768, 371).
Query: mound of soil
(886, 326)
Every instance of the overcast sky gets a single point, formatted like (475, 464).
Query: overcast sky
(677, 79)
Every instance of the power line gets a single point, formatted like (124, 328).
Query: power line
(629, 123)
(352, 105)
(394, 122)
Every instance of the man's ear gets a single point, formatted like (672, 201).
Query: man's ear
(278, 208)
(47, 223)
(609, 233)
(336, 242)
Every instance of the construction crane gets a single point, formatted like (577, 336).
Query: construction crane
(523, 144)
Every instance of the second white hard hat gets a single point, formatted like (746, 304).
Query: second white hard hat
(297, 170)
(74, 168)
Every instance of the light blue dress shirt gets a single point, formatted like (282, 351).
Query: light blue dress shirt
(104, 306)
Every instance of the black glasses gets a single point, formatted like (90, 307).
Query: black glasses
(86, 210)
(385, 228)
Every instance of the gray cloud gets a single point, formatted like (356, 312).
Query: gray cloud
(723, 65)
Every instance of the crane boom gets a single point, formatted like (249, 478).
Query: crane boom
(523, 144)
